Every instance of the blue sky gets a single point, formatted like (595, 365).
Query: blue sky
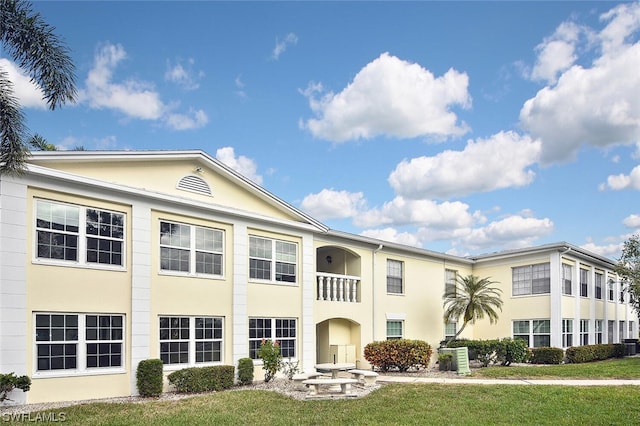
(461, 127)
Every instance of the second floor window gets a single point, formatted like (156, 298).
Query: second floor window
(394, 277)
(567, 283)
(598, 286)
(584, 283)
(272, 260)
(450, 281)
(531, 279)
(79, 234)
(190, 249)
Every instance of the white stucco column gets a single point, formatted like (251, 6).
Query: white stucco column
(140, 287)
(308, 327)
(555, 272)
(240, 320)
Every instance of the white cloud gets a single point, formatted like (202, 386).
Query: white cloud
(390, 97)
(241, 164)
(608, 250)
(556, 53)
(392, 235)
(332, 204)
(240, 87)
(597, 105)
(281, 45)
(28, 93)
(501, 161)
(632, 221)
(401, 211)
(193, 120)
(511, 232)
(183, 74)
(622, 181)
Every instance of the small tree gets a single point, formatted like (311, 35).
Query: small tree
(628, 268)
(9, 382)
(271, 358)
(471, 298)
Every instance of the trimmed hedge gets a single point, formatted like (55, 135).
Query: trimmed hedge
(511, 350)
(399, 354)
(149, 377)
(546, 355)
(588, 353)
(202, 379)
(245, 371)
(495, 351)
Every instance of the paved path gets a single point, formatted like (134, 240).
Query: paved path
(456, 381)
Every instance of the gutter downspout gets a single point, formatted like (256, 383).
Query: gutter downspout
(373, 292)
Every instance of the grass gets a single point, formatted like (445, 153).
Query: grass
(403, 404)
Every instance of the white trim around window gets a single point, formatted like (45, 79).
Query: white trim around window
(273, 261)
(188, 341)
(71, 344)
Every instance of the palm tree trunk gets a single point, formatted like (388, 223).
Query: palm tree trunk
(464, 324)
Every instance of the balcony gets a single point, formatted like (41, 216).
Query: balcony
(338, 288)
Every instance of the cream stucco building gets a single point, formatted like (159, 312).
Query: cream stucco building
(110, 258)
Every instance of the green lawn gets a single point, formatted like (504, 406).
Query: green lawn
(403, 404)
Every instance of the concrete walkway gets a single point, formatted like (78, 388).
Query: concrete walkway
(471, 381)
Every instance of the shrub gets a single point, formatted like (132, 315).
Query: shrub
(400, 354)
(483, 351)
(271, 358)
(290, 368)
(510, 350)
(445, 361)
(9, 382)
(245, 371)
(149, 377)
(202, 379)
(588, 353)
(546, 355)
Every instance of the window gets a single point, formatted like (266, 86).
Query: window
(598, 331)
(450, 281)
(281, 330)
(610, 330)
(584, 283)
(620, 331)
(536, 331)
(531, 279)
(611, 290)
(394, 330)
(621, 293)
(394, 276)
(84, 235)
(450, 330)
(190, 340)
(79, 342)
(272, 260)
(190, 249)
(567, 333)
(567, 284)
(584, 332)
(598, 285)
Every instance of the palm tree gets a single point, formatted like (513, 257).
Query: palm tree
(471, 298)
(37, 50)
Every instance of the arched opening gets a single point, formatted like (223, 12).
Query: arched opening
(338, 340)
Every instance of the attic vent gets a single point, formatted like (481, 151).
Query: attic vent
(194, 184)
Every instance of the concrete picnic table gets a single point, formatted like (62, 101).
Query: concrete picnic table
(335, 367)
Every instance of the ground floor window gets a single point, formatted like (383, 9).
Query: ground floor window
(281, 330)
(79, 342)
(598, 332)
(610, 331)
(567, 333)
(394, 329)
(537, 333)
(190, 340)
(450, 330)
(621, 332)
(584, 332)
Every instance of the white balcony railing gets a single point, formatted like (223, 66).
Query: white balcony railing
(338, 288)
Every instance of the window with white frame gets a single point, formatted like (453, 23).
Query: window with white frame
(531, 279)
(190, 340)
(621, 325)
(621, 293)
(79, 342)
(394, 329)
(450, 330)
(611, 284)
(584, 332)
(598, 285)
(79, 234)
(450, 281)
(610, 330)
(536, 331)
(584, 283)
(567, 279)
(567, 333)
(394, 277)
(272, 260)
(598, 331)
(280, 330)
(190, 249)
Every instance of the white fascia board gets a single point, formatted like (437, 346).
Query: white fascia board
(82, 180)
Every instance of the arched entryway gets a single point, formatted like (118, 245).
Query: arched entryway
(338, 340)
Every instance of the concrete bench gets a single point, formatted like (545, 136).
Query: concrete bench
(366, 377)
(315, 384)
(301, 377)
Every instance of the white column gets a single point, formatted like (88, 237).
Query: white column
(13, 281)
(592, 306)
(240, 319)
(555, 271)
(141, 226)
(575, 293)
(307, 346)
